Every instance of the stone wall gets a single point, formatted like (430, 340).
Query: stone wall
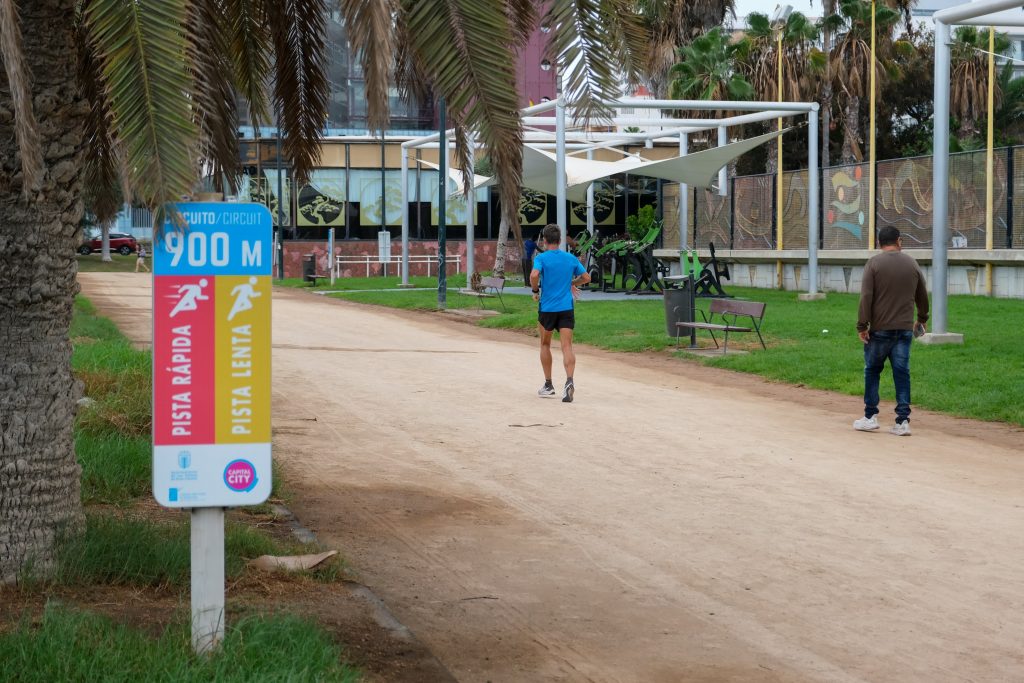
(840, 271)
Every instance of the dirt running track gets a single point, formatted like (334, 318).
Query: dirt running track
(675, 523)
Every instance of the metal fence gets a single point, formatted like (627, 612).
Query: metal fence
(746, 217)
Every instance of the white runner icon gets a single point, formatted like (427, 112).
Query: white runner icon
(189, 295)
(244, 294)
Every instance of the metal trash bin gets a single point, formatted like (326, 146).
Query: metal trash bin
(677, 307)
(308, 266)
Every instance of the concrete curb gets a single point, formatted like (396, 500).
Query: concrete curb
(381, 614)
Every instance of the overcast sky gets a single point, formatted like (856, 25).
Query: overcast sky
(745, 7)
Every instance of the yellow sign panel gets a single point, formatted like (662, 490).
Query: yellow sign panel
(242, 366)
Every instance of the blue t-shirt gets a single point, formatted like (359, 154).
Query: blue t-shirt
(557, 270)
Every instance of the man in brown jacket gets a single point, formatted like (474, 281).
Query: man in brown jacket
(891, 287)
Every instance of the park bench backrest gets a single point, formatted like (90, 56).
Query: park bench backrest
(733, 307)
(496, 282)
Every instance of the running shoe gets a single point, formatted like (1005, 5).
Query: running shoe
(866, 424)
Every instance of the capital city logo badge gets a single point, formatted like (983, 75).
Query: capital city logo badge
(240, 476)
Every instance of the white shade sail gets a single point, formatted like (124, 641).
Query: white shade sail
(698, 169)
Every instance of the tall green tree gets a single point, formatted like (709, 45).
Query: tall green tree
(709, 69)
(672, 24)
(968, 91)
(144, 91)
(802, 61)
(850, 62)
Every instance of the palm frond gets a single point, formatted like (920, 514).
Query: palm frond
(250, 53)
(104, 164)
(412, 81)
(631, 41)
(465, 46)
(26, 130)
(371, 32)
(522, 17)
(464, 155)
(213, 92)
(582, 38)
(301, 88)
(141, 49)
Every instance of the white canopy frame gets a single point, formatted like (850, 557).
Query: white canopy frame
(984, 13)
(673, 129)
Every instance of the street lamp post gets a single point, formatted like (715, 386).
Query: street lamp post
(779, 19)
(871, 133)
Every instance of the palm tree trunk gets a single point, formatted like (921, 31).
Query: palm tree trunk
(851, 131)
(501, 248)
(105, 251)
(39, 475)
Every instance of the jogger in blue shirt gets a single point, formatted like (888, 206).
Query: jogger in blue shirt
(555, 280)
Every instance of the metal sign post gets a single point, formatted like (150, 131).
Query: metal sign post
(384, 250)
(211, 383)
(330, 252)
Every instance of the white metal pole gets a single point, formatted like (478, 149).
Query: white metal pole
(684, 196)
(470, 212)
(560, 165)
(711, 105)
(207, 553)
(940, 178)
(812, 203)
(405, 216)
(723, 173)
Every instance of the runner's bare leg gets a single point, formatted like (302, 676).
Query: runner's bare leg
(568, 355)
(545, 351)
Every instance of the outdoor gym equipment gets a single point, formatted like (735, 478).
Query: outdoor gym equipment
(707, 277)
(647, 269)
(611, 262)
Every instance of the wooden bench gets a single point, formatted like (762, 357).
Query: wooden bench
(495, 284)
(728, 312)
(313, 277)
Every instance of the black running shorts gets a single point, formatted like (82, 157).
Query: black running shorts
(557, 320)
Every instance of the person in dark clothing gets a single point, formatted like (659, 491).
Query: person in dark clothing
(530, 247)
(891, 287)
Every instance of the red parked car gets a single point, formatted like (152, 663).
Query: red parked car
(120, 242)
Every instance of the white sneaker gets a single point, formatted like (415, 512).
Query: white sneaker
(901, 428)
(866, 424)
(547, 390)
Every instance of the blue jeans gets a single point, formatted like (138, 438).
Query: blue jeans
(894, 345)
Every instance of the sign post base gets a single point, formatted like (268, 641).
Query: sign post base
(207, 579)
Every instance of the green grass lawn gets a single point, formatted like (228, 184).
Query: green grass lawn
(73, 645)
(980, 379)
(93, 263)
(124, 543)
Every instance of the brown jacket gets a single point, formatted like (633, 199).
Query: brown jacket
(892, 284)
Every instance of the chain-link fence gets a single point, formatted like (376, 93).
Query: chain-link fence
(747, 218)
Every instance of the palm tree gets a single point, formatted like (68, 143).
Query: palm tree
(801, 61)
(850, 62)
(1009, 115)
(672, 24)
(968, 96)
(709, 69)
(143, 91)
